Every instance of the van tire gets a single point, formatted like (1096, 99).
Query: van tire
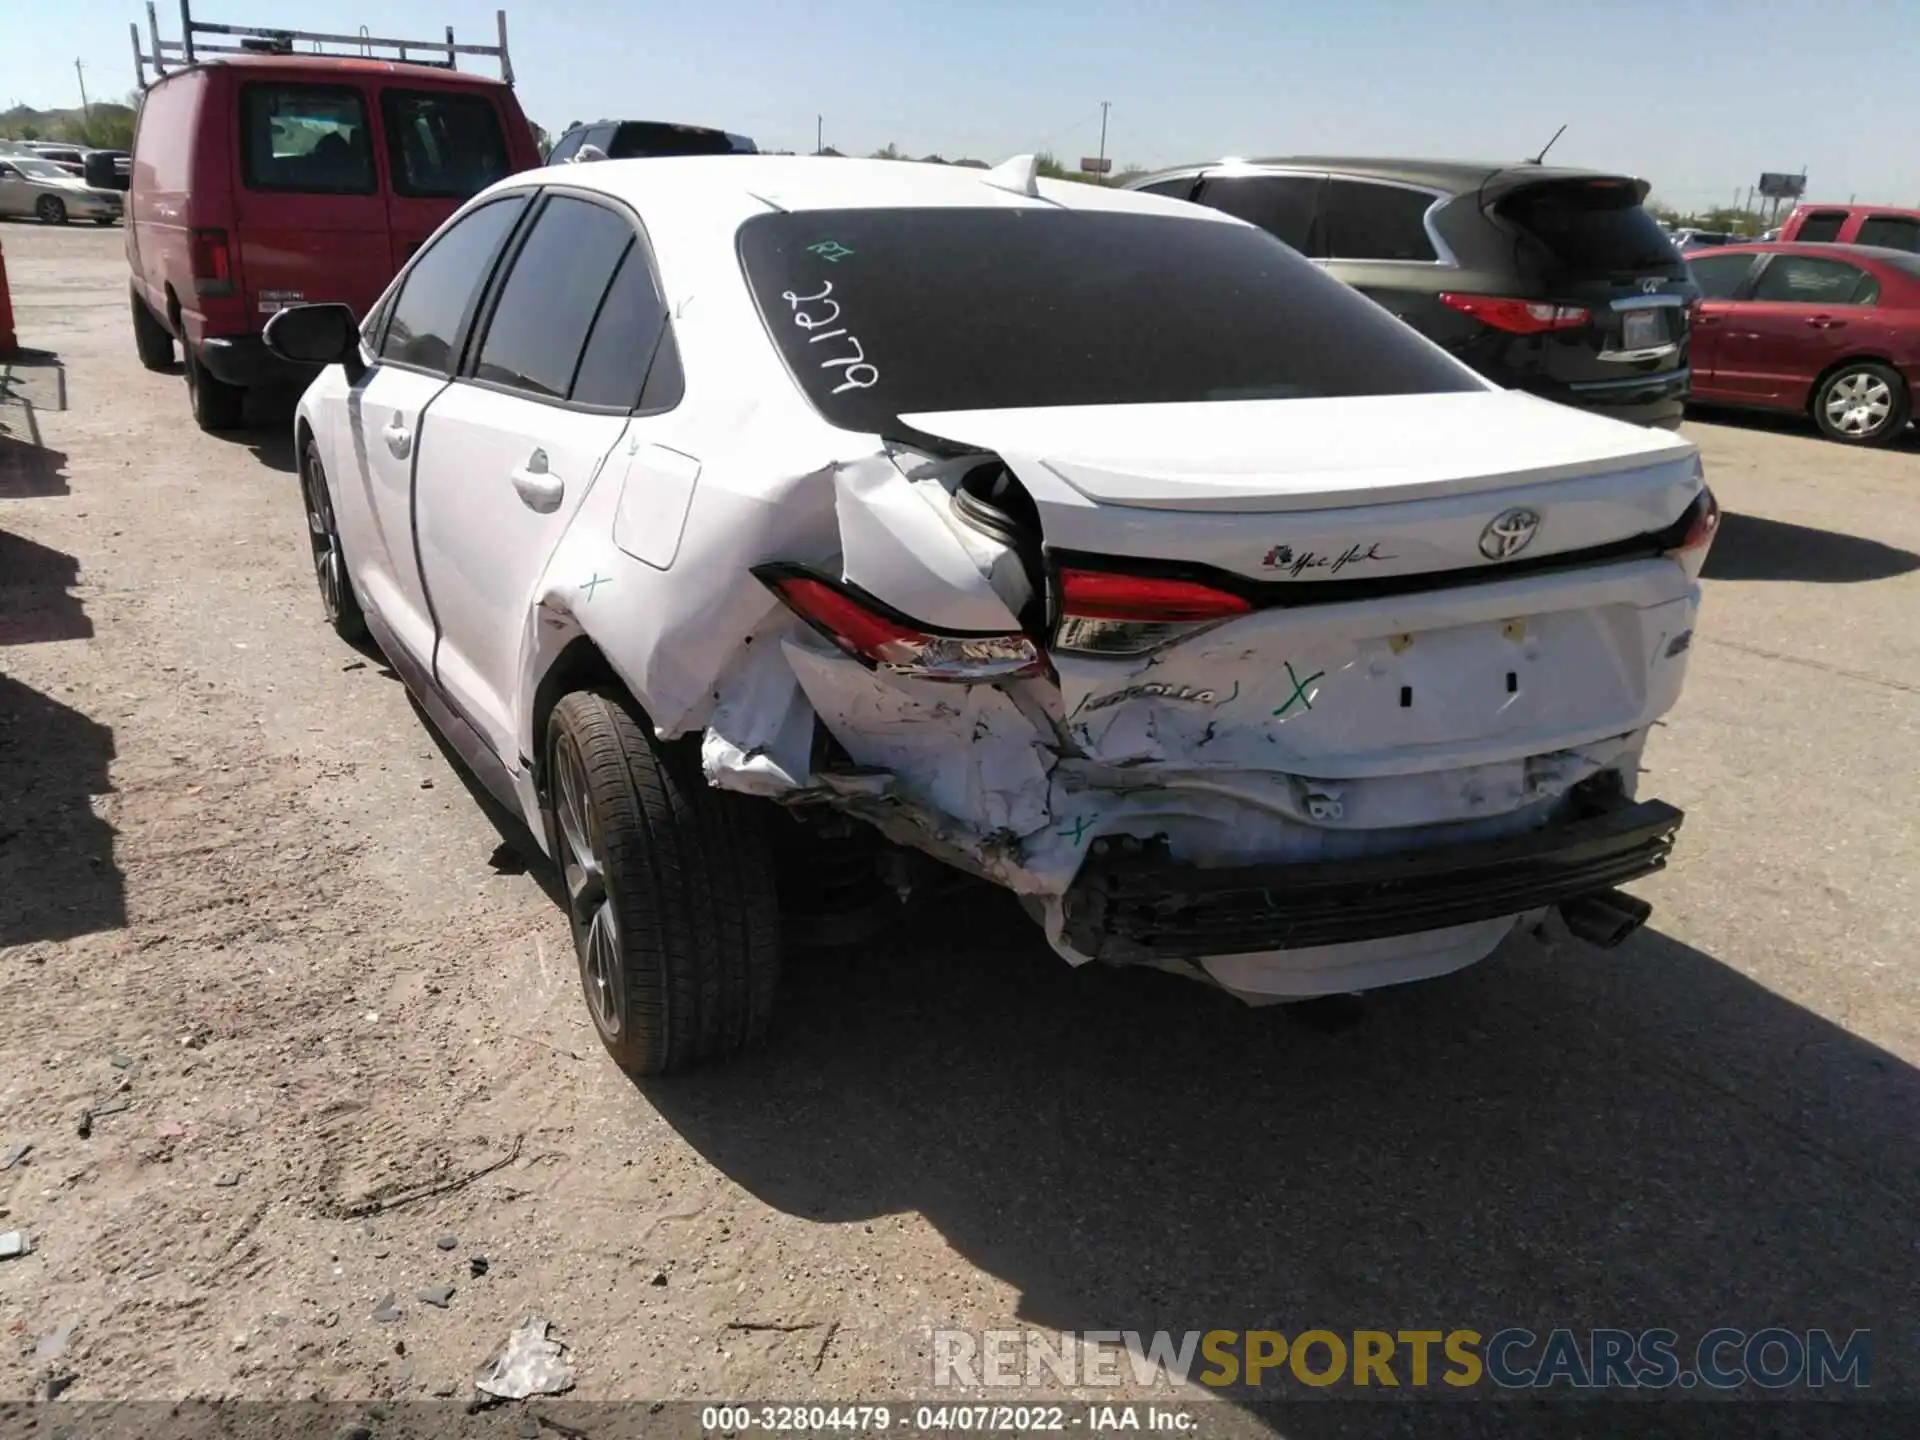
(681, 895)
(216, 404)
(150, 337)
(51, 209)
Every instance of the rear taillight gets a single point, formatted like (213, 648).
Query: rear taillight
(1703, 523)
(1517, 317)
(211, 262)
(1102, 613)
(876, 635)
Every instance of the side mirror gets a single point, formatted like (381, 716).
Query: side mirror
(317, 335)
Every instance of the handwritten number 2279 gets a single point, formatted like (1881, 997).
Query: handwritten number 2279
(850, 365)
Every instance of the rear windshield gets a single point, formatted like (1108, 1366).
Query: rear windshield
(310, 138)
(1591, 226)
(880, 313)
(443, 144)
(642, 139)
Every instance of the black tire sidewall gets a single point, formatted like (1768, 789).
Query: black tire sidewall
(150, 338)
(1897, 418)
(216, 405)
(51, 209)
(348, 622)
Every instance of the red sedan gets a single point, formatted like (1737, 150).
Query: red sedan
(1827, 330)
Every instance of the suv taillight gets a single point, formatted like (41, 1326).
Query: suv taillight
(211, 262)
(1102, 613)
(883, 639)
(1517, 317)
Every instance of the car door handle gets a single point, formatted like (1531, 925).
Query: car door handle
(1710, 320)
(1826, 322)
(398, 437)
(539, 487)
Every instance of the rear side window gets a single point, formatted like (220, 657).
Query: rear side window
(441, 289)
(552, 297)
(1590, 226)
(625, 336)
(306, 138)
(880, 313)
(442, 145)
(1285, 206)
(1180, 189)
(1719, 276)
(1807, 280)
(1821, 227)
(1365, 221)
(1895, 232)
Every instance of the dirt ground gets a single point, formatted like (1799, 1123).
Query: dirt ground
(245, 895)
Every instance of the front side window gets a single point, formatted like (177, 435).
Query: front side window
(1285, 206)
(548, 304)
(1719, 276)
(881, 313)
(441, 144)
(1805, 280)
(438, 294)
(1821, 227)
(306, 138)
(1368, 221)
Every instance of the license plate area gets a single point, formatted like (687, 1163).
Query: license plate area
(1643, 329)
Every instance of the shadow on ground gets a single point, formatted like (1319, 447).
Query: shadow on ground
(57, 873)
(36, 603)
(1782, 422)
(1750, 547)
(29, 471)
(1555, 1137)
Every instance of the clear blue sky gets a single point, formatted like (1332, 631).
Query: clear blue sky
(1697, 95)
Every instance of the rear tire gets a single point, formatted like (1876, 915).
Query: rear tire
(103, 219)
(150, 337)
(51, 209)
(670, 890)
(1862, 402)
(337, 600)
(216, 404)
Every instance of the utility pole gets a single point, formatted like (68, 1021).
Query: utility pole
(819, 122)
(86, 118)
(1103, 140)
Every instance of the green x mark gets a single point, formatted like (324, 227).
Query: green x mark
(1299, 688)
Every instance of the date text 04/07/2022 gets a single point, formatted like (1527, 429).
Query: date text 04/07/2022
(943, 1419)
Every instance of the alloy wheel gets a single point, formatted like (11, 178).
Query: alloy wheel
(328, 568)
(1858, 403)
(596, 929)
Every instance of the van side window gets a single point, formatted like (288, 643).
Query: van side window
(438, 294)
(442, 145)
(306, 138)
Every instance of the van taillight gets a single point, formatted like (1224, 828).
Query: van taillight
(212, 263)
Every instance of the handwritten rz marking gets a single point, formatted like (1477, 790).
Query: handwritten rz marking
(1281, 557)
(1299, 694)
(831, 251)
(857, 361)
(595, 583)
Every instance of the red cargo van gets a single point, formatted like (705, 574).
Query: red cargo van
(262, 180)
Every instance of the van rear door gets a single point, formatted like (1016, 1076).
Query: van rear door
(444, 145)
(311, 218)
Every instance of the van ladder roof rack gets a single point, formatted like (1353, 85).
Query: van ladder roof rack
(167, 55)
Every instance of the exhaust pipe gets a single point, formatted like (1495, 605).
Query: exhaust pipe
(1606, 917)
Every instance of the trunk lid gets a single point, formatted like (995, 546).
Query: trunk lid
(1349, 488)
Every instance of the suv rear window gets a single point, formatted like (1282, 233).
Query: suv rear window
(639, 139)
(441, 144)
(1591, 226)
(309, 138)
(880, 313)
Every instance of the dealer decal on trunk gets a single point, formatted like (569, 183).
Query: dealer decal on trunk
(1281, 557)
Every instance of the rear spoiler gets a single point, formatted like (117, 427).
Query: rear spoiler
(265, 40)
(1505, 184)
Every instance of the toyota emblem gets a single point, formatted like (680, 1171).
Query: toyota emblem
(1508, 533)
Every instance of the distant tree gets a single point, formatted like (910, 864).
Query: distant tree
(1048, 167)
(890, 151)
(29, 131)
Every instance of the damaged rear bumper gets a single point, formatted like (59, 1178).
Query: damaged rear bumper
(1132, 904)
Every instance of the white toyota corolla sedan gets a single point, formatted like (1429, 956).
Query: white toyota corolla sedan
(772, 533)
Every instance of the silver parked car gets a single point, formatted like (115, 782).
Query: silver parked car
(32, 186)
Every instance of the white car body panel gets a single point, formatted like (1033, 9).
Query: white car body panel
(1280, 735)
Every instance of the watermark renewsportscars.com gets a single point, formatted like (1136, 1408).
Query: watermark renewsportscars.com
(1565, 1358)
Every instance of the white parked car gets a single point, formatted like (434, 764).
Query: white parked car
(30, 185)
(758, 527)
